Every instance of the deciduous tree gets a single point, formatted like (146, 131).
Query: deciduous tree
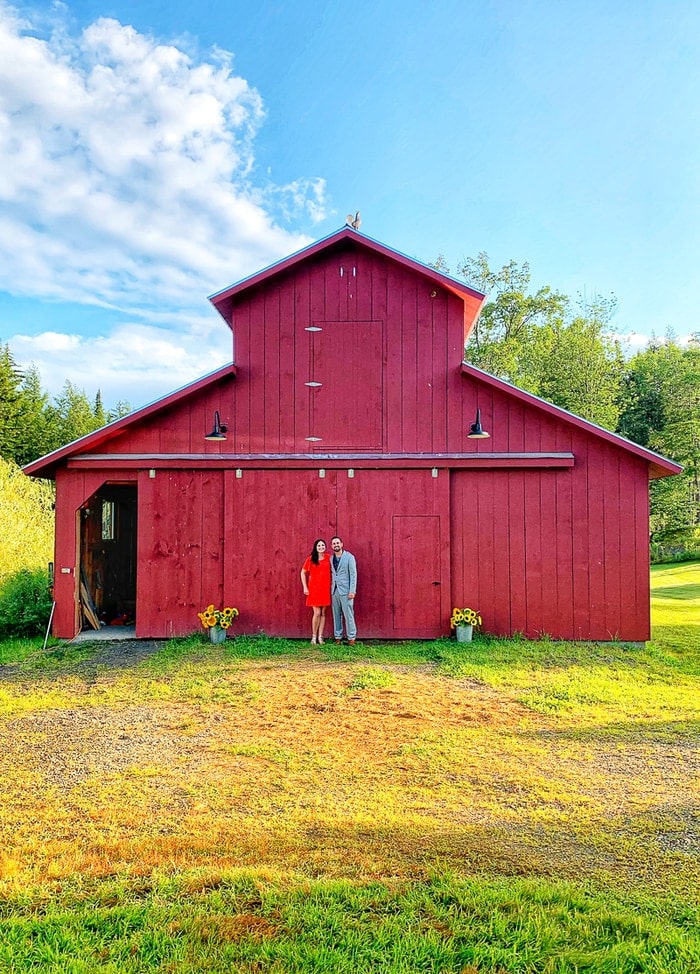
(661, 410)
(542, 344)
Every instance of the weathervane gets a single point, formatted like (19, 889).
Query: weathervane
(353, 221)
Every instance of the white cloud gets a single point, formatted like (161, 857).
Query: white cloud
(127, 182)
(636, 342)
(126, 170)
(136, 363)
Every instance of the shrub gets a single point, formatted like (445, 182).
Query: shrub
(25, 603)
(662, 554)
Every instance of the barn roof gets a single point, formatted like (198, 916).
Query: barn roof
(46, 466)
(659, 466)
(225, 300)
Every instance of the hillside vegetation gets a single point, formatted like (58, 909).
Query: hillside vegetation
(26, 521)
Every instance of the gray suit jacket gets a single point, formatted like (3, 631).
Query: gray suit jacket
(344, 580)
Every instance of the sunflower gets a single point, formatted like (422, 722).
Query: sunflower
(217, 617)
(465, 617)
(208, 617)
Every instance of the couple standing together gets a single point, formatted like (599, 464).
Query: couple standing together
(331, 580)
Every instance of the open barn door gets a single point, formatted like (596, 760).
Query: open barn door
(108, 557)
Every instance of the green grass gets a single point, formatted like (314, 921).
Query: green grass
(246, 923)
(504, 806)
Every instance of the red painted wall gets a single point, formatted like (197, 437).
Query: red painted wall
(386, 356)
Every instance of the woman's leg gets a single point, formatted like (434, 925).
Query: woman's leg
(315, 622)
(322, 623)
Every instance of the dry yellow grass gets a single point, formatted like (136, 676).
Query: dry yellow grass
(285, 765)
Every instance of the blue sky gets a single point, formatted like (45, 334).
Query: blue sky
(153, 153)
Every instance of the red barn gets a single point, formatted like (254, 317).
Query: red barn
(348, 408)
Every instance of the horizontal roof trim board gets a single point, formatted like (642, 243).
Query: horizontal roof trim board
(305, 461)
(224, 300)
(659, 466)
(45, 466)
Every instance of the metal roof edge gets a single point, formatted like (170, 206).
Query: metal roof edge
(661, 466)
(104, 433)
(347, 233)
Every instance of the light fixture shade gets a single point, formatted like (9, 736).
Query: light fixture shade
(477, 432)
(219, 431)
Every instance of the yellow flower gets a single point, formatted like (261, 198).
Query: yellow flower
(217, 617)
(208, 617)
(465, 617)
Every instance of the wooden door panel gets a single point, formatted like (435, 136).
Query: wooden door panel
(347, 405)
(272, 521)
(416, 552)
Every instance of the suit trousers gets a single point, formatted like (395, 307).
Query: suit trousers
(343, 608)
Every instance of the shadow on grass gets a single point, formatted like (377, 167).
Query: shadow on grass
(674, 650)
(681, 732)
(494, 653)
(690, 590)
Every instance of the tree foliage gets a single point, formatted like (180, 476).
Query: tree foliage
(25, 603)
(543, 344)
(503, 334)
(567, 353)
(10, 406)
(661, 410)
(31, 426)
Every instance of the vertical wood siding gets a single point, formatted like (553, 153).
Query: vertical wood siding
(387, 355)
(537, 552)
(180, 549)
(272, 519)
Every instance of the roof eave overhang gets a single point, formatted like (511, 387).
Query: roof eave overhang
(225, 300)
(659, 466)
(46, 466)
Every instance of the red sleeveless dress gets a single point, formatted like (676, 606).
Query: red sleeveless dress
(318, 581)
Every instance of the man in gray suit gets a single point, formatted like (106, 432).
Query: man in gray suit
(343, 588)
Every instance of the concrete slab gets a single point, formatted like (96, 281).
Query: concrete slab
(110, 634)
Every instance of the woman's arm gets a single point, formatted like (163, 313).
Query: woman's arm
(303, 582)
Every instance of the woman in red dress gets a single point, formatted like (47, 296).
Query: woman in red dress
(316, 582)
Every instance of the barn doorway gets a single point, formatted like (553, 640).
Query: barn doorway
(108, 557)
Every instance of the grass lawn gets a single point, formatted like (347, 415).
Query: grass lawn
(505, 806)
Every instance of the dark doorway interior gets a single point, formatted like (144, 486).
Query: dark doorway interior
(108, 557)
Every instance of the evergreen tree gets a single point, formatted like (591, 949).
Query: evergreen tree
(99, 411)
(122, 408)
(36, 438)
(71, 416)
(10, 404)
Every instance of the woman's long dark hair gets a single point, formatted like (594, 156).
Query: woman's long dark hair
(314, 552)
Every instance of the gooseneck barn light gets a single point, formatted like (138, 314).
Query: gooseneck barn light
(477, 431)
(220, 430)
